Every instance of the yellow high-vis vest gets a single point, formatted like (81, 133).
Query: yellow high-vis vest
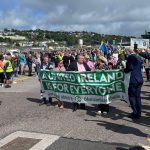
(1, 69)
(9, 68)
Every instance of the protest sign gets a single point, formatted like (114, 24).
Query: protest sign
(100, 87)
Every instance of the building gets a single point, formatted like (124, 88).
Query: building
(15, 37)
(4, 44)
(26, 44)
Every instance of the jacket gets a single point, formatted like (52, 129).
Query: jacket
(73, 67)
(134, 66)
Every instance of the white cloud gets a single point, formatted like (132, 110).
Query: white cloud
(14, 19)
(103, 16)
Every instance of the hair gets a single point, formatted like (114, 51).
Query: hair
(1, 57)
(8, 57)
(79, 56)
(130, 50)
(57, 62)
(110, 64)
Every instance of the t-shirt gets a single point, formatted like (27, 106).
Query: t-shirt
(22, 59)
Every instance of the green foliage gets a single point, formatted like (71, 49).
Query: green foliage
(71, 38)
(17, 44)
(7, 40)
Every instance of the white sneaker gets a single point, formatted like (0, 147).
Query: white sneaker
(99, 112)
(105, 113)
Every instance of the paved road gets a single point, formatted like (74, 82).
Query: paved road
(21, 111)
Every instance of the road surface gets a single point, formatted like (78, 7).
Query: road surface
(21, 112)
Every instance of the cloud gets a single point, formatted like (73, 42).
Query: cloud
(102, 16)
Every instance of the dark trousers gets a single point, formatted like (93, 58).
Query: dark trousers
(103, 107)
(147, 73)
(2, 77)
(37, 69)
(76, 106)
(134, 92)
(30, 69)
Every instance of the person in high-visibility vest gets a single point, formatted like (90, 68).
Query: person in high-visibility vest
(8, 69)
(1, 71)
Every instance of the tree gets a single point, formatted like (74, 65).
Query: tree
(6, 30)
(17, 44)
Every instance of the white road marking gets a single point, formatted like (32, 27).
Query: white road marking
(46, 139)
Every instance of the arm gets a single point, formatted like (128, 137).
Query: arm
(1, 66)
(6, 65)
(87, 68)
(129, 65)
(72, 67)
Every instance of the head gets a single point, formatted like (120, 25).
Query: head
(58, 63)
(101, 53)
(8, 54)
(8, 58)
(87, 58)
(80, 59)
(46, 60)
(110, 57)
(110, 65)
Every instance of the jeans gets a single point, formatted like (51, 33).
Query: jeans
(2, 77)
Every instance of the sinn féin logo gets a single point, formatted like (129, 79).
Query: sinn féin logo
(78, 99)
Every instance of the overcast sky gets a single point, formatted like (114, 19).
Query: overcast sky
(125, 17)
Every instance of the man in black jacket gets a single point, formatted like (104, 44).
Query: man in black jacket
(134, 66)
(79, 66)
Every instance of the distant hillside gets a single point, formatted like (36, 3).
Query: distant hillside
(71, 38)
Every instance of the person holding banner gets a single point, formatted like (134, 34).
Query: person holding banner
(88, 62)
(134, 66)
(59, 67)
(103, 108)
(46, 65)
(101, 63)
(79, 66)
